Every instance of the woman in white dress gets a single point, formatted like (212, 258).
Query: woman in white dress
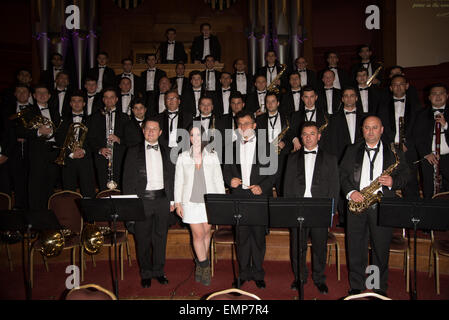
(198, 172)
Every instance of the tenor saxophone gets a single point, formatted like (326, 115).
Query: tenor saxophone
(369, 194)
(272, 87)
(281, 136)
(324, 125)
(370, 81)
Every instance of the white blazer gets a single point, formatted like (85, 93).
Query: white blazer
(185, 171)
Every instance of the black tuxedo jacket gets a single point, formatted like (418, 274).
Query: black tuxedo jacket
(351, 169)
(262, 71)
(185, 84)
(287, 104)
(184, 121)
(217, 80)
(158, 75)
(119, 105)
(325, 180)
(374, 99)
(263, 123)
(188, 101)
(54, 100)
(338, 137)
(218, 103)
(336, 99)
(252, 101)
(97, 104)
(359, 65)
(197, 49)
(139, 85)
(344, 78)
(133, 133)
(234, 170)
(47, 77)
(8, 138)
(249, 83)
(299, 117)
(311, 78)
(179, 53)
(108, 76)
(135, 171)
(63, 129)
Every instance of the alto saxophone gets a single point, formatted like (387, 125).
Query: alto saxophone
(369, 194)
(272, 87)
(324, 125)
(281, 136)
(370, 81)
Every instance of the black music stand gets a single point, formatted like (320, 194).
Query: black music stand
(299, 213)
(25, 222)
(237, 210)
(416, 214)
(112, 210)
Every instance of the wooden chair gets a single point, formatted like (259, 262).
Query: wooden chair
(331, 242)
(222, 235)
(90, 292)
(400, 244)
(439, 245)
(6, 204)
(122, 233)
(63, 205)
(232, 294)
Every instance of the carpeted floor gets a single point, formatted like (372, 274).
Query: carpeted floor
(51, 285)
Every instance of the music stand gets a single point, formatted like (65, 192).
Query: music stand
(112, 210)
(417, 215)
(299, 213)
(25, 221)
(237, 210)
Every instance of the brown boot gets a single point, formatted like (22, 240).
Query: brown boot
(205, 280)
(198, 271)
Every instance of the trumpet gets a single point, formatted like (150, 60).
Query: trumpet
(72, 142)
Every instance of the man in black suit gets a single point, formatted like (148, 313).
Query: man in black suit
(191, 96)
(137, 84)
(221, 105)
(273, 123)
(211, 76)
(149, 173)
(291, 100)
(245, 176)
(104, 138)
(156, 105)
(308, 77)
(125, 97)
(226, 124)
(255, 101)
(7, 149)
(411, 91)
(423, 139)
(341, 79)
(133, 129)
(365, 53)
(23, 77)
(272, 69)
(369, 98)
(152, 75)
(105, 75)
(94, 99)
(204, 45)
(400, 105)
(48, 77)
(241, 81)
(172, 51)
(309, 111)
(60, 96)
(78, 164)
(44, 173)
(362, 163)
(311, 173)
(328, 95)
(180, 82)
(207, 117)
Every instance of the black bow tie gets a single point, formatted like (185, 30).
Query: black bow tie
(60, 91)
(262, 92)
(196, 90)
(271, 68)
(21, 106)
(125, 94)
(310, 110)
(328, 89)
(171, 42)
(371, 149)
(155, 147)
(310, 152)
(182, 77)
(101, 67)
(226, 90)
(151, 70)
(77, 115)
(361, 89)
(332, 68)
(89, 97)
(206, 118)
(240, 73)
(46, 108)
(172, 112)
(399, 100)
(126, 75)
(298, 91)
(350, 112)
(209, 71)
(275, 116)
(59, 69)
(206, 38)
(302, 70)
(438, 110)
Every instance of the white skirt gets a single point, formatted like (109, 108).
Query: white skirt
(194, 213)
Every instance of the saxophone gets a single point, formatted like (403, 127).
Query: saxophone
(368, 193)
(281, 136)
(272, 87)
(324, 125)
(369, 82)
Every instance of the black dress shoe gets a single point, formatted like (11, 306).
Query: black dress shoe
(146, 283)
(354, 291)
(260, 284)
(294, 285)
(162, 280)
(234, 284)
(322, 288)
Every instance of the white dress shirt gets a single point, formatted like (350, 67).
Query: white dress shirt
(205, 122)
(303, 76)
(172, 135)
(241, 82)
(46, 114)
(337, 79)
(226, 100)
(161, 102)
(206, 48)
(110, 122)
(309, 166)
(364, 98)
(210, 80)
(274, 126)
(246, 160)
(296, 99)
(171, 50)
(399, 111)
(179, 82)
(100, 79)
(61, 96)
(261, 96)
(20, 106)
(197, 94)
(150, 79)
(155, 170)
(369, 68)
(329, 96)
(55, 73)
(444, 148)
(351, 120)
(271, 74)
(126, 101)
(310, 116)
(90, 103)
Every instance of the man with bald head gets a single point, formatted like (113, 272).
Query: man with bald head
(362, 163)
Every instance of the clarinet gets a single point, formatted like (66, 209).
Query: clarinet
(111, 184)
(436, 172)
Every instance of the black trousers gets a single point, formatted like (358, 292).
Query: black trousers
(44, 174)
(101, 167)
(319, 253)
(428, 181)
(18, 171)
(411, 189)
(251, 252)
(151, 237)
(360, 228)
(79, 172)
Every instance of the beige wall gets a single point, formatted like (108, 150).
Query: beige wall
(422, 32)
